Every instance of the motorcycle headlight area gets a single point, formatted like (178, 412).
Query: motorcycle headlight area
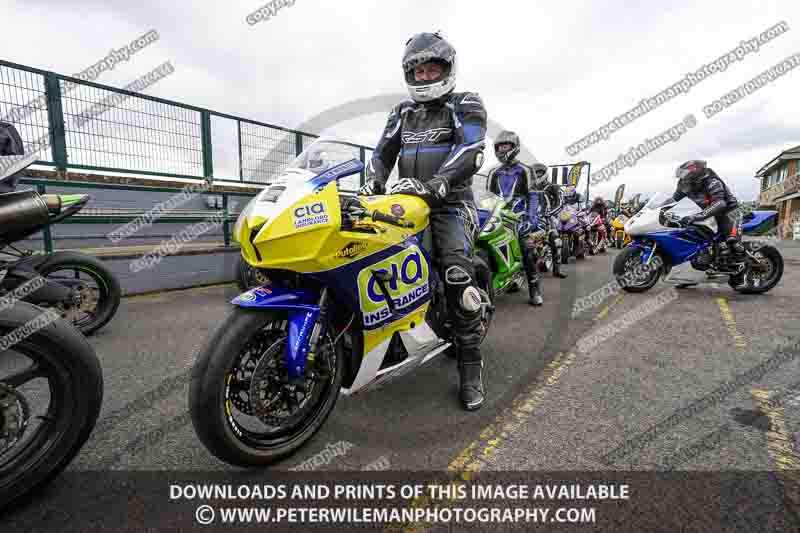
(564, 217)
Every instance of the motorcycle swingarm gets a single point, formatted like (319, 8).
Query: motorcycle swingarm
(48, 291)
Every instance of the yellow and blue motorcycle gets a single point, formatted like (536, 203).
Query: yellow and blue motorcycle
(354, 299)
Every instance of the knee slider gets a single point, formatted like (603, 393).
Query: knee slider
(461, 289)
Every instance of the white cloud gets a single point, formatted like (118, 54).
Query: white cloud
(552, 71)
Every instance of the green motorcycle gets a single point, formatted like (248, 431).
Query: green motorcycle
(498, 243)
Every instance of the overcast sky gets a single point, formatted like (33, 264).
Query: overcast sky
(551, 71)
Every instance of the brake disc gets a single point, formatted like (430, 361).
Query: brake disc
(13, 417)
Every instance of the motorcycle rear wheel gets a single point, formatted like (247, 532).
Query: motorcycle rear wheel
(772, 262)
(108, 290)
(46, 443)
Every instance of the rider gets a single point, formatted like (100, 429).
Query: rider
(553, 197)
(511, 180)
(439, 138)
(599, 206)
(702, 185)
(572, 196)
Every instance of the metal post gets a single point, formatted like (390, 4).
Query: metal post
(298, 143)
(362, 174)
(46, 235)
(205, 138)
(55, 116)
(226, 230)
(239, 135)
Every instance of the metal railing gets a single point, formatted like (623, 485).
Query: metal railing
(119, 216)
(142, 134)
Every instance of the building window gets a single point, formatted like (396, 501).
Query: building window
(782, 172)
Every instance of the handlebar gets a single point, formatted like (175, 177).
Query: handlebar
(379, 216)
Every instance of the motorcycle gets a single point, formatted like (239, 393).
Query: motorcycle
(498, 244)
(571, 229)
(598, 238)
(620, 239)
(51, 391)
(54, 280)
(353, 301)
(656, 232)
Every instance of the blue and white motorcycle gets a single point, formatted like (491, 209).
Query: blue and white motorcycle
(660, 243)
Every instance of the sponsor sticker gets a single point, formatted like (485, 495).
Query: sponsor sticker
(351, 250)
(310, 215)
(407, 288)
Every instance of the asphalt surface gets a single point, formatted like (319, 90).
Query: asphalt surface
(550, 406)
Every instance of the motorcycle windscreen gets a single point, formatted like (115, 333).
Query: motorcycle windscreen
(319, 164)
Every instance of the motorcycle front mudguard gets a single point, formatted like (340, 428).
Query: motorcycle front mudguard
(302, 308)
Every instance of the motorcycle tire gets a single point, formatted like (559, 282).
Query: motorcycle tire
(771, 254)
(76, 396)
(565, 251)
(249, 277)
(620, 268)
(209, 408)
(618, 242)
(107, 283)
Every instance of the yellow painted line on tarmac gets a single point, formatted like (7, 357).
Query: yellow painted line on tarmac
(730, 323)
(781, 450)
(472, 458)
(606, 309)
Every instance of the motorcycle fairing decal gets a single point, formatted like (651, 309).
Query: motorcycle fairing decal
(273, 296)
(339, 171)
(408, 287)
(301, 323)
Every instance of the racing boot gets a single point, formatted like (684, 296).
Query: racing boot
(535, 291)
(557, 270)
(471, 390)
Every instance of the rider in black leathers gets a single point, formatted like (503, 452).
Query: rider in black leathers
(438, 140)
(702, 185)
(511, 180)
(551, 199)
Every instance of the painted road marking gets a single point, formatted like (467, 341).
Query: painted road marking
(606, 309)
(730, 323)
(781, 450)
(475, 456)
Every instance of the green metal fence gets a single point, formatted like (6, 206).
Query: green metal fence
(141, 134)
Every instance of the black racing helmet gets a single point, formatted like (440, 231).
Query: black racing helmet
(689, 171)
(507, 137)
(424, 48)
(539, 175)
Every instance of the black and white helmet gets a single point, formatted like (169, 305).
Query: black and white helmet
(539, 175)
(422, 48)
(507, 137)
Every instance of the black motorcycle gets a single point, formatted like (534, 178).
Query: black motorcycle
(78, 286)
(51, 390)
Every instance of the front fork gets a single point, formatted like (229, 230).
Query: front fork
(305, 329)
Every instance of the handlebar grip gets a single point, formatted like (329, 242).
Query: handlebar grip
(378, 216)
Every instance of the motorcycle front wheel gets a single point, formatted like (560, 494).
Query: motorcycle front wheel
(627, 261)
(243, 407)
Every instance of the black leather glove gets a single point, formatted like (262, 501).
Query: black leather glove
(688, 220)
(373, 186)
(433, 192)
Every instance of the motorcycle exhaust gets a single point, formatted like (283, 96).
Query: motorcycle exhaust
(22, 213)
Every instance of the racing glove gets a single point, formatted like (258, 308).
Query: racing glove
(688, 220)
(433, 192)
(372, 187)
